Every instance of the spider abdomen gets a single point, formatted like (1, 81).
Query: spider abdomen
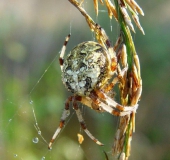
(85, 68)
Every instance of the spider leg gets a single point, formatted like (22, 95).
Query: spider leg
(111, 106)
(81, 120)
(121, 73)
(64, 116)
(118, 42)
(61, 59)
(115, 80)
(99, 31)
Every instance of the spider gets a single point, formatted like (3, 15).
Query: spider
(90, 72)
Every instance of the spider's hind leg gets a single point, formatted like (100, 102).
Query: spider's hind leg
(81, 120)
(64, 116)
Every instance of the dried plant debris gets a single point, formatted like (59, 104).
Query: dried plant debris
(80, 138)
(131, 5)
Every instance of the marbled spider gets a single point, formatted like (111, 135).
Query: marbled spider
(90, 72)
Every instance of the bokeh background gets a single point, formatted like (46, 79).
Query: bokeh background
(32, 33)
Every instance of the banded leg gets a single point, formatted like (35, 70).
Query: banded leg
(121, 73)
(82, 122)
(64, 116)
(115, 80)
(111, 106)
(101, 35)
(61, 59)
(114, 108)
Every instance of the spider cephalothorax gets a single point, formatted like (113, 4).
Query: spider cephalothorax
(87, 67)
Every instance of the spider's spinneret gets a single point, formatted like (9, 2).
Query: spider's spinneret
(85, 68)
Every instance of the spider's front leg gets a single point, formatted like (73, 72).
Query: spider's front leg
(61, 59)
(107, 88)
(121, 56)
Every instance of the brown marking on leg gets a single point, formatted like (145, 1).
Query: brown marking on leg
(119, 107)
(78, 98)
(83, 125)
(66, 41)
(61, 61)
(100, 94)
(116, 113)
(114, 64)
(62, 122)
(94, 97)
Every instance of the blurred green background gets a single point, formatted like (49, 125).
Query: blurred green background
(32, 33)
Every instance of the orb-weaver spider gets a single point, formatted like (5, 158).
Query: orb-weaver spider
(90, 72)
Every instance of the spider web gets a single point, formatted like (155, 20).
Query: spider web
(32, 95)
